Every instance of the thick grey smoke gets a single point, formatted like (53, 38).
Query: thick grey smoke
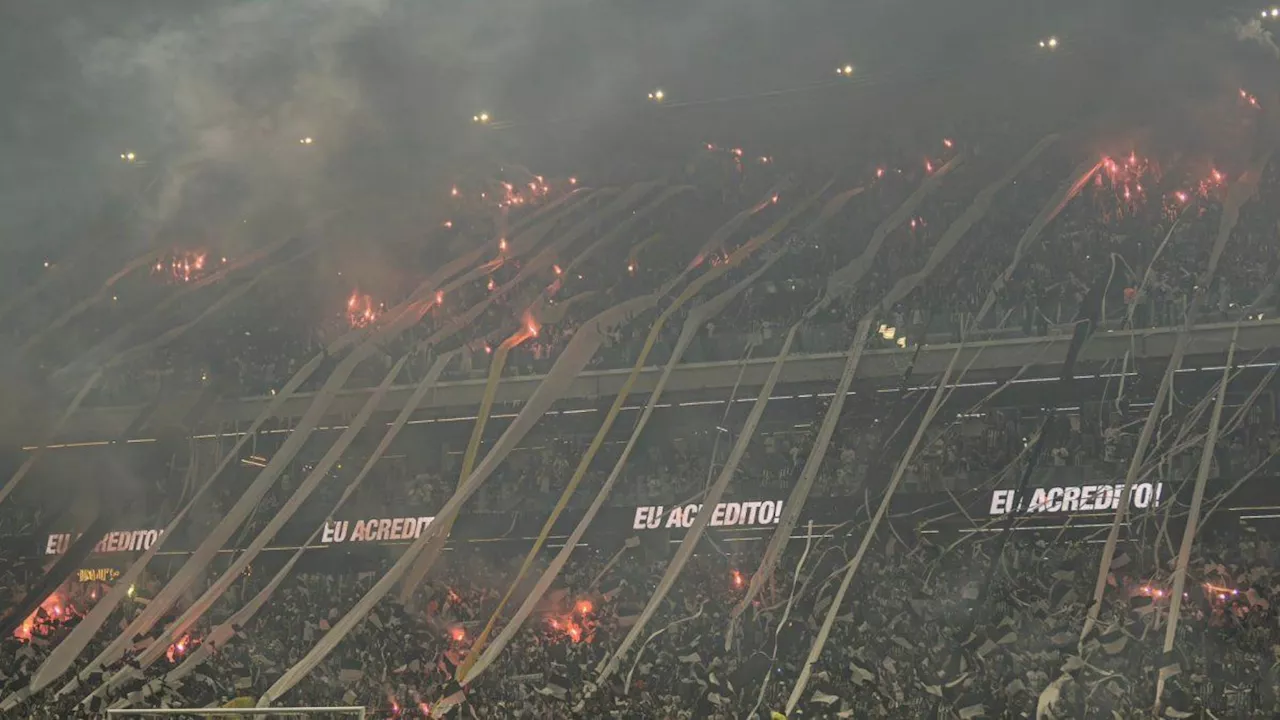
(1254, 32)
(222, 102)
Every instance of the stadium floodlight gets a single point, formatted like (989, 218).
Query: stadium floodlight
(359, 712)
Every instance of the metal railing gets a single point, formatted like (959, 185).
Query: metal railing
(359, 712)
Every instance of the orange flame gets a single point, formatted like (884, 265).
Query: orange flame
(53, 609)
(362, 311)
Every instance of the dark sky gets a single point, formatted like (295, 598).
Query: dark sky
(214, 96)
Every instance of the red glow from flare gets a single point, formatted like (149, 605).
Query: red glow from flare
(439, 297)
(573, 181)
(879, 172)
(453, 192)
(180, 648)
(448, 223)
(557, 269)
(774, 199)
(502, 244)
(1222, 592)
(53, 609)
(458, 634)
(584, 607)
(946, 142)
(183, 266)
(362, 311)
(737, 579)
(737, 151)
(928, 166)
(1119, 188)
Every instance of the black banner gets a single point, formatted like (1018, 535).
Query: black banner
(748, 515)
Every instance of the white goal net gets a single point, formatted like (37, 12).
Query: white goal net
(309, 713)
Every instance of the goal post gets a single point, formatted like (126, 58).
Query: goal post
(357, 712)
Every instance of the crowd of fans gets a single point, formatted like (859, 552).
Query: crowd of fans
(925, 634)
(895, 650)
(1142, 229)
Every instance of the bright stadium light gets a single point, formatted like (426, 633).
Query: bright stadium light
(128, 156)
(482, 118)
(658, 95)
(846, 71)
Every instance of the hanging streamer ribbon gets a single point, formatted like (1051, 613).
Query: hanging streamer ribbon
(1193, 515)
(473, 667)
(713, 496)
(220, 635)
(623, 202)
(402, 317)
(66, 653)
(901, 289)
(582, 347)
(842, 282)
(1237, 195)
(815, 650)
(434, 549)
(179, 627)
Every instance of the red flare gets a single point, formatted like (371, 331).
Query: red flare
(362, 311)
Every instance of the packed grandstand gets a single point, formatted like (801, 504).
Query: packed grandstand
(973, 417)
